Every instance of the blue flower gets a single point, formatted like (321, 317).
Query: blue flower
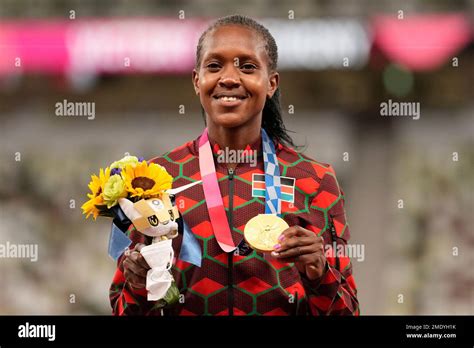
(115, 171)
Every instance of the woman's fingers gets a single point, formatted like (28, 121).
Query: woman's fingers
(131, 264)
(138, 257)
(303, 248)
(294, 242)
(294, 231)
(301, 259)
(134, 274)
(142, 262)
(135, 267)
(139, 246)
(299, 245)
(134, 280)
(296, 251)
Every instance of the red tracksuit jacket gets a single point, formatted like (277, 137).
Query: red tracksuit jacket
(247, 282)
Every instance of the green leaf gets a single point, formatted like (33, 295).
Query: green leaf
(104, 211)
(171, 297)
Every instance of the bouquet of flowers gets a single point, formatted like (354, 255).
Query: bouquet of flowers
(132, 191)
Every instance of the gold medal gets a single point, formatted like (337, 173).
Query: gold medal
(263, 230)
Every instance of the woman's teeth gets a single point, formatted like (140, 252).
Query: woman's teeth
(228, 98)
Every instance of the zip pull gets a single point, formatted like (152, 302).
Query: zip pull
(230, 171)
(333, 231)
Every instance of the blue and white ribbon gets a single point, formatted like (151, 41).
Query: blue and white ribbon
(272, 177)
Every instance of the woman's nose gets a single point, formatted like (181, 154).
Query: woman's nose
(229, 79)
(229, 82)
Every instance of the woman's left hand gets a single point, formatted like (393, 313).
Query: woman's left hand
(304, 248)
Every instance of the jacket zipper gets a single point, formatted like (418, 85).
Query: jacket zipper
(334, 239)
(296, 303)
(230, 259)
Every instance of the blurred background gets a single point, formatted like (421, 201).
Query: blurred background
(408, 182)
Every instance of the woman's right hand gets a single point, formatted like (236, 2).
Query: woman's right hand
(135, 267)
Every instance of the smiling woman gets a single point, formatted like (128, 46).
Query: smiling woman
(233, 80)
(237, 83)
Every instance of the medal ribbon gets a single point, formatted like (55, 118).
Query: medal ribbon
(272, 177)
(213, 197)
(212, 193)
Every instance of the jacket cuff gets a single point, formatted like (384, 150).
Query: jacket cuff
(330, 275)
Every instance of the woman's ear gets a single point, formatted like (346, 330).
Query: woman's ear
(195, 79)
(273, 83)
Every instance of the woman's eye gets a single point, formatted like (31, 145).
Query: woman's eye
(248, 67)
(213, 66)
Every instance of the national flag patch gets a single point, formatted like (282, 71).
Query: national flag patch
(287, 187)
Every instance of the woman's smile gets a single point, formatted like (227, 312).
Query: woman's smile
(230, 99)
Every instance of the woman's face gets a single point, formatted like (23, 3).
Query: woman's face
(233, 79)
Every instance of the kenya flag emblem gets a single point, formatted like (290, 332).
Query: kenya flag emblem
(287, 187)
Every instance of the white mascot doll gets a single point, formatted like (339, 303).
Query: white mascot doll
(155, 217)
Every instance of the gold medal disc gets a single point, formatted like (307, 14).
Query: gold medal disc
(263, 230)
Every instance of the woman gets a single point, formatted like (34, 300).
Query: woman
(237, 83)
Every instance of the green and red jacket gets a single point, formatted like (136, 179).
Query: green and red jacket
(248, 282)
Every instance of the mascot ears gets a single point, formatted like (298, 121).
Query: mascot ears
(128, 209)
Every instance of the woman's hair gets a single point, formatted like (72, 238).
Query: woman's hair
(272, 120)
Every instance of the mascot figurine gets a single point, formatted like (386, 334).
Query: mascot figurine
(155, 217)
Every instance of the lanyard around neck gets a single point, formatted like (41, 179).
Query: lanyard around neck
(212, 193)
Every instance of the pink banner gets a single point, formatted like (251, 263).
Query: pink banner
(167, 46)
(422, 42)
(100, 45)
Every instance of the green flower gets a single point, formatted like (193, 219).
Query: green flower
(113, 190)
(127, 160)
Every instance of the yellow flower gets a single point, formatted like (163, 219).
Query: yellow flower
(95, 197)
(114, 189)
(146, 181)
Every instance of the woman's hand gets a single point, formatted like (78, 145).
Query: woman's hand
(304, 248)
(135, 267)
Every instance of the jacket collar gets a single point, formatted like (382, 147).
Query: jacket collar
(257, 145)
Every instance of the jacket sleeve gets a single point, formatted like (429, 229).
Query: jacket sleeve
(124, 299)
(335, 293)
